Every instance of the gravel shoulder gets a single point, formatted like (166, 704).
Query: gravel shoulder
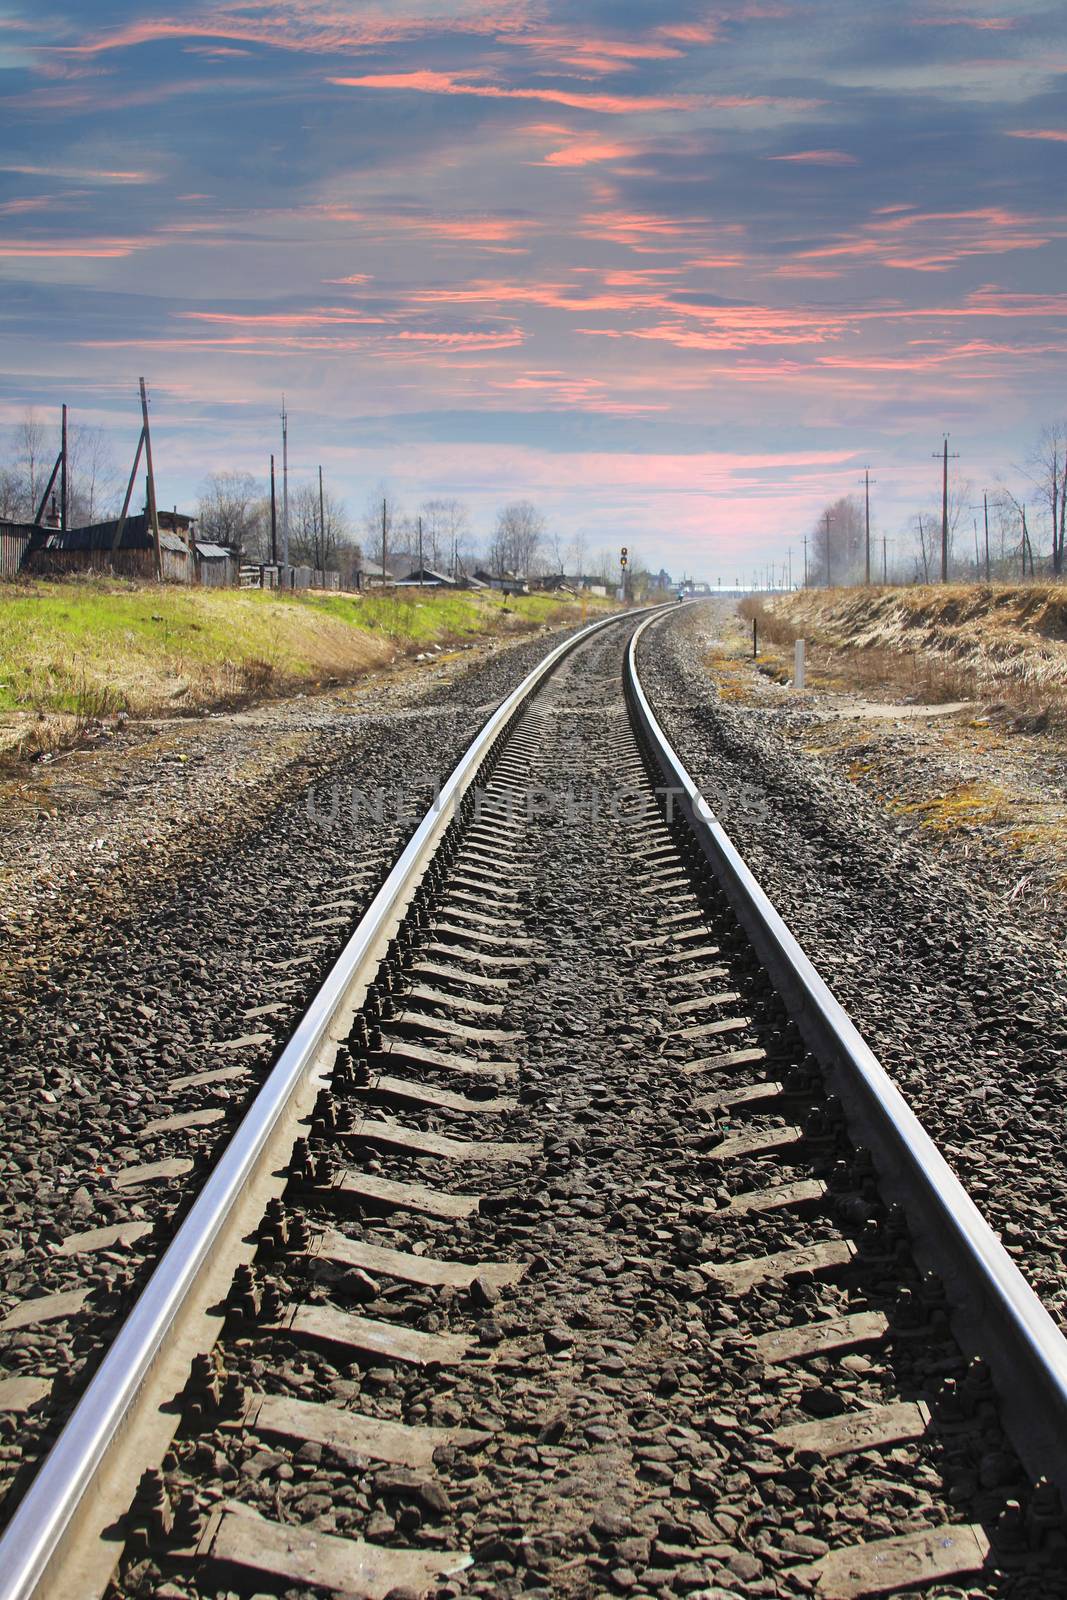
(952, 970)
(170, 903)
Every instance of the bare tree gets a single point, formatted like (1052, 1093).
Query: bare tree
(227, 509)
(576, 554)
(32, 447)
(383, 515)
(94, 481)
(838, 541)
(520, 528)
(1048, 465)
(925, 536)
(318, 530)
(444, 526)
(12, 495)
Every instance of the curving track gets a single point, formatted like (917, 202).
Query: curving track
(569, 1276)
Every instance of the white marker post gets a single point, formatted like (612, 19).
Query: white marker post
(798, 664)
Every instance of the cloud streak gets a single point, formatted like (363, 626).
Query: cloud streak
(426, 81)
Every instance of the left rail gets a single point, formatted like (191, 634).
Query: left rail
(56, 1543)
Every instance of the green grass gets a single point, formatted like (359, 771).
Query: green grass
(94, 646)
(409, 616)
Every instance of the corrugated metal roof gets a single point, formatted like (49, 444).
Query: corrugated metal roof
(211, 552)
(170, 541)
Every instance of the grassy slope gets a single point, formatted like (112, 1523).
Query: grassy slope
(100, 646)
(950, 641)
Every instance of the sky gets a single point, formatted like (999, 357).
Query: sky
(675, 272)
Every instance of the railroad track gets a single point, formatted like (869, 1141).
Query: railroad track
(575, 1245)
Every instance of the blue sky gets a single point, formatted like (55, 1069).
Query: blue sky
(675, 272)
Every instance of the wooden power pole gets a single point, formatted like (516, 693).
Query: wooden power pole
(828, 577)
(273, 517)
(63, 476)
(385, 530)
(867, 525)
(322, 531)
(153, 514)
(944, 507)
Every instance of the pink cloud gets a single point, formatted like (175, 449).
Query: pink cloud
(75, 249)
(1055, 135)
(733, 328)
(315, 26)
(689, 32)
(325, 317)
(819, 158)
(934, 241)
(81, 174)
(564, 392)
(585, 152)
(34, 202)
(428, 82)
(597, 56)
(981, 24)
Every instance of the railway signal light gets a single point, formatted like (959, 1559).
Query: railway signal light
(624, 558)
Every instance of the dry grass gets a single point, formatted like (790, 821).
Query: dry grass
(967, 805)
(931, 644)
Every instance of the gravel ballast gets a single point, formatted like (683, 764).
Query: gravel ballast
(174, 917)
(956, 987)
(619, 1419)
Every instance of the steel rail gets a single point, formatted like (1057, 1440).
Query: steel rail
(994, 1310)
(37, 1539)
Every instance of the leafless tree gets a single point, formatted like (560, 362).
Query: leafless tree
(382, 507)
(445, 527)
(923, 531)
(94, 482)
(12, 495)
(228, 509)
(318, 531)
(32, 448)
(576, 554)
(1048, 465)
(1012, 505)
(838, 543)
(520, 528)
(557, 553)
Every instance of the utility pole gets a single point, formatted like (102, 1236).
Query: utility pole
(885, 561)
(867, 511)
(285, 484)
(805, 561)
(322, 531)
(944, 507)
(420, 553)
(384, 536)
(828, 578)
(273, 518)
(985, 510)
(63, 479)
(153, 514)
(790, 567)
(121, 523)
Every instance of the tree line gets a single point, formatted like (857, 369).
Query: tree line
(234, 509)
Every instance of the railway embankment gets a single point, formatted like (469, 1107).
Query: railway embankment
(79, 658)
(944, 708)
